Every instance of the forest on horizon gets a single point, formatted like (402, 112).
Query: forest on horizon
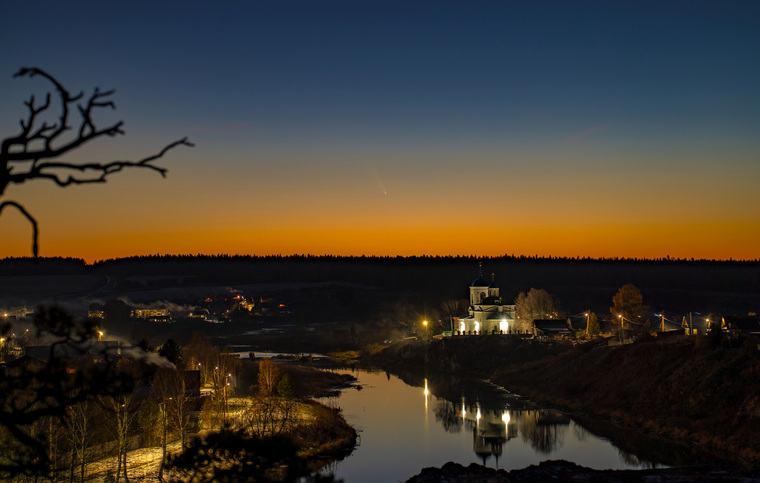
(728, 287)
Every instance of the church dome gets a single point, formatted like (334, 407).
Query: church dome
(480, 281)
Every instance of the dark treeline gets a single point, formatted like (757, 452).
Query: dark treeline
(422, 258)
(46, 264)
(723, 286)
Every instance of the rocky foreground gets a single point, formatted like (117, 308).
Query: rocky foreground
(565, 471)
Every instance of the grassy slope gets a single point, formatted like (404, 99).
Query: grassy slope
(671, 387)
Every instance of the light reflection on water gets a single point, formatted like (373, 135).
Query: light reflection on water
(404, 428)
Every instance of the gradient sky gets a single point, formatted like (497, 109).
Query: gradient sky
(583, 128)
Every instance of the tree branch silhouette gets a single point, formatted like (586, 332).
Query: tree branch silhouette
(35, 151)
(32, 221)
(76, 370)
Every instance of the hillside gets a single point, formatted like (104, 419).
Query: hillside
(679, 388)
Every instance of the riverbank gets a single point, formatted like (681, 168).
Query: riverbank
(680, 388)
(313, 436)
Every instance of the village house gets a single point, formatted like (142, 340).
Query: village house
(742, 324)
(553, 328)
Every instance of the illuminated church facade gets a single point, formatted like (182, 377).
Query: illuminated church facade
(487, 313)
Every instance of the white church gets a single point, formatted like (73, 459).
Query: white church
(488, 314)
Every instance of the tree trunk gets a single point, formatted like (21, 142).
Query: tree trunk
(126, 448)
(72, 463)
(83, 455)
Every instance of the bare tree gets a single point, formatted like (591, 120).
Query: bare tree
(271, 410)
(269, 376)
(199, 354)
(124, 409)
(223, 377)
(536, 304)
(41, 393)
(48, 133)
(170, 386)
(81, 431)
(449, 309)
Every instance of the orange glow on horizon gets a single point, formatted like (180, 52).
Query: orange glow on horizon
(728, 241)
(309, 213)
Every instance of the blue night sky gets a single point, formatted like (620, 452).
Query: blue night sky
(413, 127)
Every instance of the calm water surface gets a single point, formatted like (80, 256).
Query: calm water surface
(406, 427)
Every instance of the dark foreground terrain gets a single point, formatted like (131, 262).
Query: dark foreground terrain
(565, 471)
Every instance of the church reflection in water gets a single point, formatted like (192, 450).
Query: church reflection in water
(493, 425)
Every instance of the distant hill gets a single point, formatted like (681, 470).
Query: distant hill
(727, 287)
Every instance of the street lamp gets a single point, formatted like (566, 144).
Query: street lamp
(622, 328)
(424, 322)
(226, 390)
(587, 316)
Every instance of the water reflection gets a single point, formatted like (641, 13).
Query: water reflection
(493, 427)
(544, 430)
(411, 421)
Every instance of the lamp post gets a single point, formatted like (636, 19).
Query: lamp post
(622, 328)
(587, 316)
(225, 396)
(424, 322)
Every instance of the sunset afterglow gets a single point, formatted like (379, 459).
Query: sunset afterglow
(402, 128)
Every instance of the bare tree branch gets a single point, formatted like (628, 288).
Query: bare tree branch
(35, 151)
(35, 233)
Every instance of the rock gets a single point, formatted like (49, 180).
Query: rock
(562, 471)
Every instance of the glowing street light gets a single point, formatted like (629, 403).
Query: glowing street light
(424, 322)
(622, 327)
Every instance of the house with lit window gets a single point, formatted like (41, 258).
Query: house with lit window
(487, 313)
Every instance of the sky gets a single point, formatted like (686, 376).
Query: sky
(358, 127)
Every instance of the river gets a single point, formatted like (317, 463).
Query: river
(407, 426)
